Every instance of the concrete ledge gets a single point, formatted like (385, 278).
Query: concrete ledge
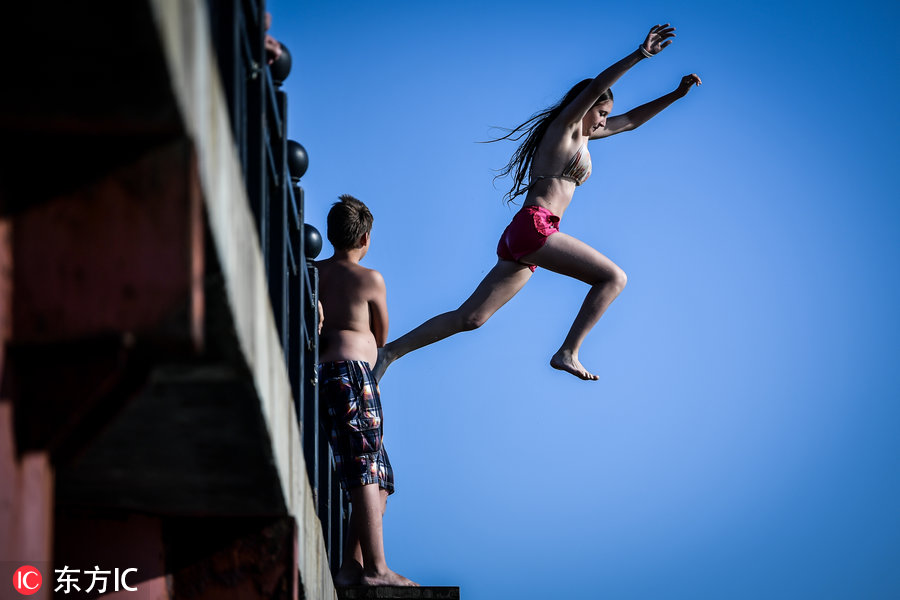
(184, 32)
(392, 592)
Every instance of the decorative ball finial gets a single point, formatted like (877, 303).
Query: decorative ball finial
(312, 241)
(281, 67)
(298, 160)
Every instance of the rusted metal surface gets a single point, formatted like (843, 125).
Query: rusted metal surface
(26, 479)
(26, 502)
(104, 282)
(116, 542)
(6, 286)
(233, 559)
(122, 256)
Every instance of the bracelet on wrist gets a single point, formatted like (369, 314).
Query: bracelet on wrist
(645, 52)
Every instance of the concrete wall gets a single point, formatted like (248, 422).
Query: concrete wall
(198, 91)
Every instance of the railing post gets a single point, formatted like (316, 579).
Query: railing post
(310, 415)
(296, 349)
(279, 188)
(258, 115)
(255, 82)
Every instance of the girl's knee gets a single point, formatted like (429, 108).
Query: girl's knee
(615, 280)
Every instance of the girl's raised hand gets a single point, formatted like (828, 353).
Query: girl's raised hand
(687, 82)
(658, 38)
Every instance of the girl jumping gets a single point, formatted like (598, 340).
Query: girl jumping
(554, 156)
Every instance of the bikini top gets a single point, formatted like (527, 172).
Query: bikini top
(577, 171)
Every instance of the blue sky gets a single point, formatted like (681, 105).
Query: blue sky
(742, 440)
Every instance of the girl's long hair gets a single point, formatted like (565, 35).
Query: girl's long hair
(533, 130)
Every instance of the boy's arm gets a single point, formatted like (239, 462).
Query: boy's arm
(378, 313)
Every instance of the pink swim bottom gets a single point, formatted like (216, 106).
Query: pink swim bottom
(527, 233)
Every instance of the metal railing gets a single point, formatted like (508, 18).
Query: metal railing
(273, 166)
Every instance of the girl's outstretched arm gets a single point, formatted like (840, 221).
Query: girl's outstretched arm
(639, 115)
(658, 38)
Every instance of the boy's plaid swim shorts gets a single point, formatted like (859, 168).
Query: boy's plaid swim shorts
(351, 412)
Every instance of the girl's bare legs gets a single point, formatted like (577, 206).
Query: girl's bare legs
(569, 256)
(363, 561)
(496, 289)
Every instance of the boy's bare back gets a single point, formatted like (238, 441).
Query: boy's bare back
(355, 307)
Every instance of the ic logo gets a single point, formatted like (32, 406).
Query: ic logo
(27, 580)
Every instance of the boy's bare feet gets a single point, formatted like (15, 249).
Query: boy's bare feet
(349, 573)
(386, 577)
(564, 360)
(385, 358)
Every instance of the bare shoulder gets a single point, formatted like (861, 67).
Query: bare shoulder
(362, 277)
(372, 280)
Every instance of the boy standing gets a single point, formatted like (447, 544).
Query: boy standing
(356, 324)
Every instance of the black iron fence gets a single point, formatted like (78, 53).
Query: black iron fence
(273, 166)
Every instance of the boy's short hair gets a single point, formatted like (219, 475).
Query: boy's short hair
(348, 220)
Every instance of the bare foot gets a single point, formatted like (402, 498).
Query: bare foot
(349, 574)
(385, 358)
(564, 360)
(388, 577)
